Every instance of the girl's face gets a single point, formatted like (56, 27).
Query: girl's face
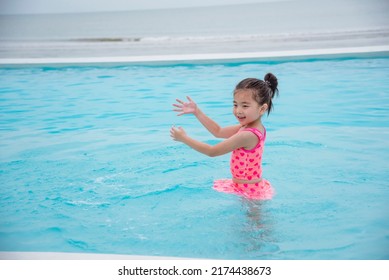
(246, 109)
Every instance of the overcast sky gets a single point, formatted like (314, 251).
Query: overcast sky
(71, 6)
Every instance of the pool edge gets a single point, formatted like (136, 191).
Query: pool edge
(210, 58)
(78, 256)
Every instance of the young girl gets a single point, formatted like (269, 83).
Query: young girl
(252, 99)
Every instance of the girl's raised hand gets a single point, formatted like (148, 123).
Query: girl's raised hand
(177, 133)
(182, 107)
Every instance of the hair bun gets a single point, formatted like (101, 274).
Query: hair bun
(272, 82)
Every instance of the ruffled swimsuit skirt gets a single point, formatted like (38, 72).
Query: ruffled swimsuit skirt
(257, 191)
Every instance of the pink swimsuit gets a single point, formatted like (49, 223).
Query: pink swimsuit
(247, 165)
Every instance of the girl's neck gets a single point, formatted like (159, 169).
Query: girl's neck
(256, 124)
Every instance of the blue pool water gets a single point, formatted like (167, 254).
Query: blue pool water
(87, 163)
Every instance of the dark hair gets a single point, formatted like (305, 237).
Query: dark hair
(263, 91)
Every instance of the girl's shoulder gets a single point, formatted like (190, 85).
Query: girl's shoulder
(255, 130)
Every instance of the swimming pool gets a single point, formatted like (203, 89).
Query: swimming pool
(87, 164)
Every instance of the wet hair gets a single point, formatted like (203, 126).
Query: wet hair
(263, 91)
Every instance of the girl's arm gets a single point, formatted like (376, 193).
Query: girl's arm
(238, 140)
(215, 129)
